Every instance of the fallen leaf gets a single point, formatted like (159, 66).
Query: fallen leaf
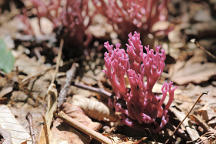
(18, 96)
(5, 91)
(203, 112)
(9, 123)
(28, 65)
(207, 138)
(93, 108)
(64, 133)
(195, 73)
(5, 137)
(202, 29)
(77, 113)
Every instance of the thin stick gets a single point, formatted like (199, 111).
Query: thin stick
(69, 77)
(84, 128)
(186, 115)
(97, 90)
(52, 97)
(32, 133)
(58, 60)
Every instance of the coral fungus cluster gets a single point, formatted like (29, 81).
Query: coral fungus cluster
(138, 104)
(133, 15)
(68, 16)
(124, 15)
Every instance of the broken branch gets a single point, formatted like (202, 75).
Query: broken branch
(84, 128)
(69, 77)
(93, 89)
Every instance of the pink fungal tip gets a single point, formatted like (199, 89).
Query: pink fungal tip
(138, 104)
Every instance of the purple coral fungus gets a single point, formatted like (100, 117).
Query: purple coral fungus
(130, 15)
(70, 19)
(138, 104)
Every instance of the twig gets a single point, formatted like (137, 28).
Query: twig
(84, 128)
(58, 60)
(32, 133)
(69, 77)
(201, 47)
(186, 115)
(52, 95)
(97, 90)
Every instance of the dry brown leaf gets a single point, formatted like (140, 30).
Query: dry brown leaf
(5, 136)
(93, 108)
(202, 29)
(5, 91)
(77, 113)
(204, 113)
(28, 65)
(19, 96)
(11, 125)
(195, 73)
(200, 121)
(207, 138)
(63, 133)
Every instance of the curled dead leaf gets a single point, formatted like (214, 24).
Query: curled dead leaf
(93, 108)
